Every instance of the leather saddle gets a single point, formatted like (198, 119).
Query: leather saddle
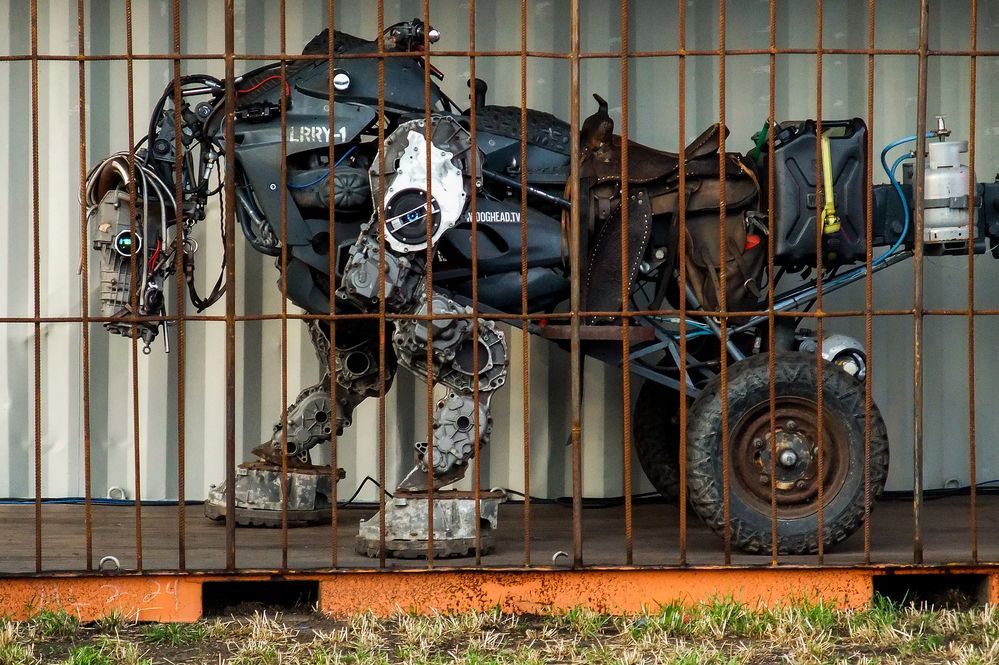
(653, 187)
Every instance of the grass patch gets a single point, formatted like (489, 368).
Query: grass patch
(174, 634)
(88, 654)
(55, 623)
(14, 648)
(721, 632)
(114, 621)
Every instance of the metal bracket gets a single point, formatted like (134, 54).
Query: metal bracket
(952, 202)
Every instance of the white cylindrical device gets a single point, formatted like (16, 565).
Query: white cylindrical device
(946, 193)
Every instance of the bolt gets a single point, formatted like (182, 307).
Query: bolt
(788, 457)
(764, 479)
(757, 443)
(800, 484)
(790, 426)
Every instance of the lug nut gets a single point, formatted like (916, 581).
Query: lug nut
(757, 443)
(791, 426)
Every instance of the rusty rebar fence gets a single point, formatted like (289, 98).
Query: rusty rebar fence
(534, 531)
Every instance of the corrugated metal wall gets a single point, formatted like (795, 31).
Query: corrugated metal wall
(654, 121)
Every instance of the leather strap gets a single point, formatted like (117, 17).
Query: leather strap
(602, 281)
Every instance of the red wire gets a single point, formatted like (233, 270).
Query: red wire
(156, 255)
(287, 87)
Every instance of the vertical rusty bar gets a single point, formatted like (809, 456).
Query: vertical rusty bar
(722, 292)
(380, 211)
(771, 314)
(134, 287)
(524, 311)
(682, 261)
(429, 284)
(819, 257)
(88, 513)
(36, 277)
(179, 294)
(575, 359)
(230, 295)
(331, 251)
(869, 283)
(917, 288)
(283, 81)
(625, 340)
(972, 453)
(472, 126)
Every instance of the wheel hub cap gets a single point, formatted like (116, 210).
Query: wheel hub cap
(784, 461)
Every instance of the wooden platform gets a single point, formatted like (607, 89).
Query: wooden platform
(946, 537)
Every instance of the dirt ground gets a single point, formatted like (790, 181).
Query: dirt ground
(715, 633)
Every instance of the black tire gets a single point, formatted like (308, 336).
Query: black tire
(657, 437)
(796, 389)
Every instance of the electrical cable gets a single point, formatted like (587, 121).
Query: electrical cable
(367, 479)
(97, 501)
(591, 502)
(287, 87)
(985, 488)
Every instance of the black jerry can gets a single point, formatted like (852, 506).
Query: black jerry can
(796, 205)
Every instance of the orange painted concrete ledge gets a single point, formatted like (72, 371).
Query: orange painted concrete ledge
(178, 597)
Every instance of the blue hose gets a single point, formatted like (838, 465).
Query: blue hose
(890, 172)
(325, 175)
(905, 206)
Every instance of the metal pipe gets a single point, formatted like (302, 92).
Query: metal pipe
(715, 328)
(807, 293)
(523, 187)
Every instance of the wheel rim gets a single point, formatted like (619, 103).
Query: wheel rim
(797, 478)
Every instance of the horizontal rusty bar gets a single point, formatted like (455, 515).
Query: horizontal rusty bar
(596, 332)
(497, 316)
(556, 55)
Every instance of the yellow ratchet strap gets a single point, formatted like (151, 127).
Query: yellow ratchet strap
(830, 220)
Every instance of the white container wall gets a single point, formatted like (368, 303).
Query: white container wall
(653, 106)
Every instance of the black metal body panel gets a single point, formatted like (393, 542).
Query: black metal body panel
(258, 151)
(498, 245)
(404, 82)
(499, 238)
